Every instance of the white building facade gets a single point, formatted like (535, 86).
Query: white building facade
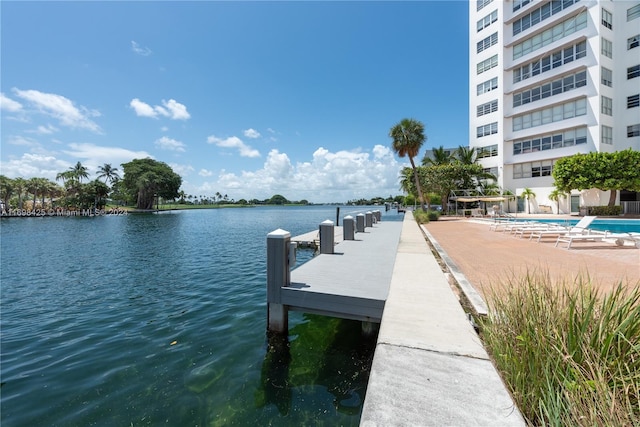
(549, 79)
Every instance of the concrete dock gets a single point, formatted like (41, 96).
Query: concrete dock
(430, 368)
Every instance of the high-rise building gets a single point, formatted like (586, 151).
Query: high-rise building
(549, 79)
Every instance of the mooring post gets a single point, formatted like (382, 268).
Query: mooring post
(360, 223)
(278, 276)
(377, 215)
(348, 228)
(326, 237)
(338, 216)
(369, 219)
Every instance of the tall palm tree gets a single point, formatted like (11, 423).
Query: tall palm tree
(466, 155)
(555, 196)
(408, 137)
(528, 194)
(440, 157)
(108, 172)
(6, 190)
(19, 188)
(79, 171)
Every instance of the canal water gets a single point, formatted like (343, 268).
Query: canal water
(142, 320)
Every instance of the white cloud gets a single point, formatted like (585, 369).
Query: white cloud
(166, 143)
(328, 177)
(171, 108)
(22, 141)
(251, 133)
(177, 111)
(182, 170)
(205, 172)
(93, 156)
(142, 51)
(9, 104)
(34, 165)
(44, 130)
(60, 108)
(234, 142)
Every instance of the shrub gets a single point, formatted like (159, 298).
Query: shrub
(569, 355)
(604, 210)
(433, 215)
(422, 217)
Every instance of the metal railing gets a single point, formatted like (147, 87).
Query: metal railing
(632, 208)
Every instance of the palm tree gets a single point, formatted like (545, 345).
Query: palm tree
(408, 137)
(528, 194)
(555, 196)
(19, 187)
(109, 173)
(466, 155)
(79, 171)
(6, 190)
(440, 157)
(36, 186)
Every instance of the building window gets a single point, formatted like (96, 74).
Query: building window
(549, 36)
(487, 20)
(549, 115)
(517, 4)
(482, 3)
(633, 42)
(633, 12)
(633, 130)
(487, 108)
(533, 169)
(606, 105)
(633, 101)
(633, 72)
(487, 86)
(607, 135)
(487, 64)
(493, 171)
(487, 151)
(551, 61)
(487, 130)
(607, 48)
(487, 42)
(550, 141)
(606, 76)
(607, 19)
(540, 14)
(561, 85)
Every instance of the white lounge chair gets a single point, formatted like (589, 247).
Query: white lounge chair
(581, 227)
(617, 238)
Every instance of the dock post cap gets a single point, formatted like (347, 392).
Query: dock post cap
(348, 217)
(326, 222)
(279, 234)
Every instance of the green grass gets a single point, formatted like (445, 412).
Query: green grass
(570, 355)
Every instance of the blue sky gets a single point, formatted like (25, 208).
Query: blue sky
(248, 99)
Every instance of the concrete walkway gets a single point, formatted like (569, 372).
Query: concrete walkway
(430, 368)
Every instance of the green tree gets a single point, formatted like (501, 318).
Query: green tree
(466, 155)
(528, 194)
(555, 196)
(79, 172)
(19, 189)
(408, 137)
(6, 190)
(440, 156)
(605, 171)
(443, 179)
(109, 173)
(145, 179)
(277, 199)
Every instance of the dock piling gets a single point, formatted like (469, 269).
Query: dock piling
(278, 276)
(360, 223)
(348, 228)
(326, 237)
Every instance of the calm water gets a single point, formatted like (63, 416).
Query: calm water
(160, 319)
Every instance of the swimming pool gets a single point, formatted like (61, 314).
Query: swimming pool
(603, 224)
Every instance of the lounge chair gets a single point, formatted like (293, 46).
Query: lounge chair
(617, 238)
(582, 227)
(541, 228)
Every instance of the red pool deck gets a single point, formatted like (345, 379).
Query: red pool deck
(489, 258)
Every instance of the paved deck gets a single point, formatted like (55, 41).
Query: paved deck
(429, 367)
(491, 259)
(351, 283)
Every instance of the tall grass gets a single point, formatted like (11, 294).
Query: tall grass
(570, 355)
